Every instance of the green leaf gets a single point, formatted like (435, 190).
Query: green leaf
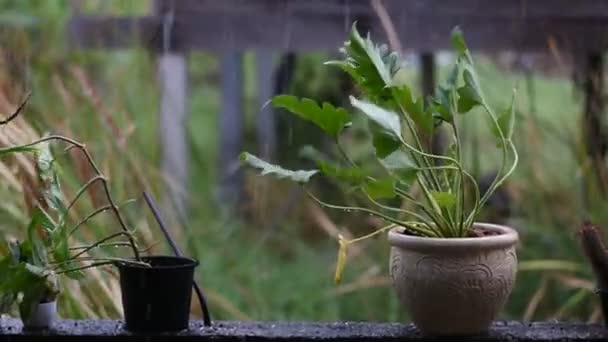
(51, 190)
(445, 100)
(300, 176)
(350, 175)
(400, 165)
(458, 42)
(444, 199)
(468, 98)
(17, 149)
(39, 252)
(415, 109)
(506, 120)
(373, 67)
(386, 119)
(470, 81)
(384, 143)
(381, 188)
(327, 117)
(398, 160)
(14, 248)
(21, 276)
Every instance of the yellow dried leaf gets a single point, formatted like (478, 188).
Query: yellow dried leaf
(341, 259)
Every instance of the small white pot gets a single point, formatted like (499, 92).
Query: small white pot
(43, 317)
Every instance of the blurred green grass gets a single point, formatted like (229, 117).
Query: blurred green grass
(254, 271)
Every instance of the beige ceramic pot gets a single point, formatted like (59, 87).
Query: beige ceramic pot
(454, 286)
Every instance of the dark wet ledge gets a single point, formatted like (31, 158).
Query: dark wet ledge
(98, 330)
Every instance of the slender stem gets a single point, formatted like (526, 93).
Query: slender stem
(112, 244)
(18, 110)
(84, 259)
(90, 216)
(404, 211)
(79, 268)
(494, 183)
(107, 238)
(344, 154)
(371, 212)
(82, 190)
(367, 236)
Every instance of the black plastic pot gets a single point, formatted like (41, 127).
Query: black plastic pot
(157, 298)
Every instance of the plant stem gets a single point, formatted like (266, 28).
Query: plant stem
(418, 230)
(82, 190)
(111, 244)
(404, 211)
(79, 268)
(18, 110)
(90, 216)
(96, 244)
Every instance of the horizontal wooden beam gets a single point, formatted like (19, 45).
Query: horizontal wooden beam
(422, 25)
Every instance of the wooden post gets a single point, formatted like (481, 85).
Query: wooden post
(427, 82)
(594, 133)
(265, 121)
(230, 128)
(172, 74)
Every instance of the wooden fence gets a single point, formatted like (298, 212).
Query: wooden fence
(271, 27)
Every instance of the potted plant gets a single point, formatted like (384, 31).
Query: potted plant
(156, 290)
(450, 272)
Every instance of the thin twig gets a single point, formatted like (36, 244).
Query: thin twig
(18, 110)
(90, 216)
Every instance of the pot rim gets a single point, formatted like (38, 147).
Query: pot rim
(508, 238)
(190, 263)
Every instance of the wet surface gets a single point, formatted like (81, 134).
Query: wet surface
(11, 330)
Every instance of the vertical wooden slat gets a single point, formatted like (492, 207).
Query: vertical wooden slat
(595, 135)
(427, 82)
(265, 121)
(230, 128)
(172, 73)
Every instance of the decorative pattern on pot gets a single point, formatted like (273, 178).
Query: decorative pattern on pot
(453, 291)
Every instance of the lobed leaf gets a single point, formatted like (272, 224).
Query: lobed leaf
(415, 109)
(373, 67)
(330, 119)
(386, 119)
(299, 176)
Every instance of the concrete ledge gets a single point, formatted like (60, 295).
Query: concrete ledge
(84, 330)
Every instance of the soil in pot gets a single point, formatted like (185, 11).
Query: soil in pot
(475, 232)
(157, 298)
